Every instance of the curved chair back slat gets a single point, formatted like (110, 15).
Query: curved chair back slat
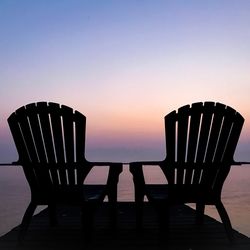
(50, 140)
(200, 142)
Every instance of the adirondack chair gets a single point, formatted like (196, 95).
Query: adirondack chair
(50, 140)
(200, 144)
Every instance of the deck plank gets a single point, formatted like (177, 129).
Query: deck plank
(183, 233)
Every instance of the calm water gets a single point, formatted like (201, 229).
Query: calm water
(15, 195)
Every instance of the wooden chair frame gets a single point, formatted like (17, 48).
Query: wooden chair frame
(200, 143)
(50, 140)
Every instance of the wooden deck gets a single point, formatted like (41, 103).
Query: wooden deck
(184, 234)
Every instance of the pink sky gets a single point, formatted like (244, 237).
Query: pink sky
(125, 66)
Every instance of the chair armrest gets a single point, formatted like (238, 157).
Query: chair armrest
(14, 163)
(239, 163)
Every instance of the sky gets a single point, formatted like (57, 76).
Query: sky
(124, 64)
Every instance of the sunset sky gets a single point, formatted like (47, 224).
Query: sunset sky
(124, 65)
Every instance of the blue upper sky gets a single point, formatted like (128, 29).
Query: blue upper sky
(124, 64)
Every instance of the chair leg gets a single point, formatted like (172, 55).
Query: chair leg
(112, 206)
(113, 179)
(88, 211)
(200, 209)
(52, 214)
(112, 215)
(225, 219)
(26, 220)
(139, 201)
(163, 211)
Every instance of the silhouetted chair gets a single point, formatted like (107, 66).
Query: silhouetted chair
(50, 140)
(200, 144)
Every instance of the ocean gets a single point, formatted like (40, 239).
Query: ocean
(15, 194)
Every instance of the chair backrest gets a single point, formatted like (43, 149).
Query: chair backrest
(200, 142)
(50, 140)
